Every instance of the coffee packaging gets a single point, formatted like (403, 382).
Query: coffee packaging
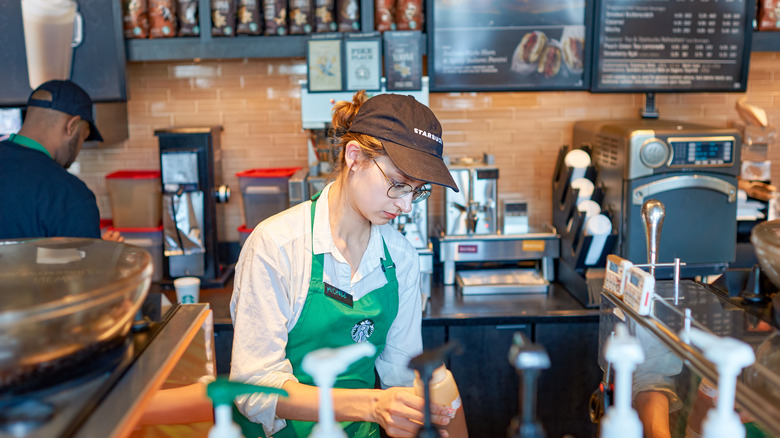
(403, 60)
(301, 16)
(223, 17)
(187, 14)
(324, 16)
(162, 18)
(768, 15)
(348, 15)
(135, 17)
(384, 15)
(248, 18)
(275, 17)
(409, 15)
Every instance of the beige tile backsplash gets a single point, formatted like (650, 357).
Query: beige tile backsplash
(257, 102)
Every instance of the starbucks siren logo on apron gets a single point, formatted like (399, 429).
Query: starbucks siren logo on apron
(362, 330)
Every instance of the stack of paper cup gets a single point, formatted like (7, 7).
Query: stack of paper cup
(585, 187)
(578, 160)
(187, 289)
(598, 226)
(589, 207)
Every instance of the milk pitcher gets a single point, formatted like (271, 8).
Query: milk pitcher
(52, 28)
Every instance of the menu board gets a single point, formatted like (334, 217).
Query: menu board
(480, 45)
(671, 45)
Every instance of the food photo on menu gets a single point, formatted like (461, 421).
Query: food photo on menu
(508, 45)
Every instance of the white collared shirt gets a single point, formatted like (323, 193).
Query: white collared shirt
(272, 281)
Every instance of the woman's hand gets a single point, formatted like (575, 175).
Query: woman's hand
(400, 412)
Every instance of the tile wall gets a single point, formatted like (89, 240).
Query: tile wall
(257, 102)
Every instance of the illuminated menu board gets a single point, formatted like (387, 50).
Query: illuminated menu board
(671, 45)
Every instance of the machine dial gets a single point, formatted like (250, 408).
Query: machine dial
(654, 153)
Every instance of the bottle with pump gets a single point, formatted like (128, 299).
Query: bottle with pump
(222, 392)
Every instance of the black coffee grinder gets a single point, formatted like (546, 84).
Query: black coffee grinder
(191, 168)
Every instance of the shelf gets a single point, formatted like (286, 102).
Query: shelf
(766, 42)
(291, 46)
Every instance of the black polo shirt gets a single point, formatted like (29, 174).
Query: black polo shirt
(39, 198)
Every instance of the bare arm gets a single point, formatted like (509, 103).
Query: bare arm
(653, 409)
(398, 410)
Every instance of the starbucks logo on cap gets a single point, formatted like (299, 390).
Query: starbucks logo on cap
(362, 330)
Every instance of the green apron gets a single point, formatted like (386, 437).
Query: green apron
(328, 323)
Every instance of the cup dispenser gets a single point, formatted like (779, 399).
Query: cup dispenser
(578, 264)
(190, 167)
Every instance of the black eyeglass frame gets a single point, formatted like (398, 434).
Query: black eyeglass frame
(418, 195)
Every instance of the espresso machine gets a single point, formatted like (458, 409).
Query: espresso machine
(471, 234)
(191, 170)
(414, 226)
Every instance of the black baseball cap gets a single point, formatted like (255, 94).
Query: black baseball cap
(409, 132)
(69, 98)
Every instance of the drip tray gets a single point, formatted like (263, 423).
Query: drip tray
(501, 281)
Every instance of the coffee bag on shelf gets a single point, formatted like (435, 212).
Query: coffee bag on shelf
(223, 17)
(409, 15)
(301, 16)
(384, 15)
(187, 15)
(249, 18)
(348, 15)
(275, 17)
(162, 18)
(135, 17)
(325, 16)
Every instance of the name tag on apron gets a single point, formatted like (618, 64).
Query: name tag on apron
(337, 294)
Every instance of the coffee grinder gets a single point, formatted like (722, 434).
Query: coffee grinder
(191, 168)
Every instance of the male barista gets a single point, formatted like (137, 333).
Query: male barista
(38, 197)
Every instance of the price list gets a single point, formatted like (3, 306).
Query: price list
(671, 45)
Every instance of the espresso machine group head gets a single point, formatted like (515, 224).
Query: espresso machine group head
(191, 170)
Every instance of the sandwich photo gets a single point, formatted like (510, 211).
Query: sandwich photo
(531, 46)
(573, 47)
(550, 61)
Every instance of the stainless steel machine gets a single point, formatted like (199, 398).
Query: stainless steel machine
(191, 168)
(692, 169)
(471, 234)
(473, 210)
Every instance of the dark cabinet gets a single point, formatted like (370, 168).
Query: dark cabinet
(562, 401)
(489, 384)
(98, 63)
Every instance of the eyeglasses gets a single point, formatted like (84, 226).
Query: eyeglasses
(399, 189)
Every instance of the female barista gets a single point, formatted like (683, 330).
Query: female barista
(331, 271)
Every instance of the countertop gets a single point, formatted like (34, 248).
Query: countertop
(447, 306)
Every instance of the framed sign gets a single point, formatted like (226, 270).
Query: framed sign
(323, 61)
(690, 46)
(363, 62)
(506, 45)
(403, 60)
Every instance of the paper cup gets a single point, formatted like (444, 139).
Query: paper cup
(585, 187)
(578, 160)
(187, 289)
(590, 208)
(598, 226)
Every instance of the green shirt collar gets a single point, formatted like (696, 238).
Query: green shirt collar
(28, 142)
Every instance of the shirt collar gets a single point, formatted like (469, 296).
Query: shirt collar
(323, 239)
(29, 143)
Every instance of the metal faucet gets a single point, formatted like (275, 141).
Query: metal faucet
(471, 217)
(653, 212)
